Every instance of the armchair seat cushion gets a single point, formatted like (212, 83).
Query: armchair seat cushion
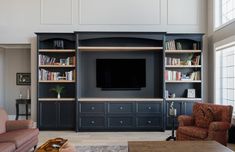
(193, 131)
(19, 137)
(7, 147)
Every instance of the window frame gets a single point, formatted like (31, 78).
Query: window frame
(217, 16)
(218, 46)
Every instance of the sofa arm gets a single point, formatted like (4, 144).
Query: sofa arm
(185, 120)
(219, 126)
(18, 124)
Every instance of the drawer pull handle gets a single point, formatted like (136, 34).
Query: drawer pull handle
(92, 122)
(149, 122)
(121, 108)
(92, 108)
(121, 122)
(149, 108)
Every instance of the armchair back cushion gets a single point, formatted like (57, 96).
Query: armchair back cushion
(3, 119)
(220, 112)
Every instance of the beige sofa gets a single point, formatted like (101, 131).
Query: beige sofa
(16, 135)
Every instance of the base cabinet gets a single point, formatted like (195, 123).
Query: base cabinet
(56, 115)
(120, 116)
(182, 108)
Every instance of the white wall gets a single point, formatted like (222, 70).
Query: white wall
(11, 62)
(20, 19)
(2, 97)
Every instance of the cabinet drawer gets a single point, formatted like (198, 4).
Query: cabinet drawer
(92, 122)
(120, 108)
(149, 122)
(114, 122)
(92, 107)
(149, 107)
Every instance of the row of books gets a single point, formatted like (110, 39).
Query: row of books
(172, 75)
(172, 45)
(47, 75)
(196, 60)
(46, 60)
(172, 61)
(177, 75)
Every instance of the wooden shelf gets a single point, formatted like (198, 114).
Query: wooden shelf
(57, 50)
(118, 48)
(56, 66)
(56, 81)
(56, 99)
(183, 66)
(119, 99)
(183, 99)
(183, 51)
(183, 81)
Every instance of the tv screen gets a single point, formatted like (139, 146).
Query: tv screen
(120, 74)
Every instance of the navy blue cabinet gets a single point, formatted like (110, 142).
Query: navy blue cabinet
(58, 115)
(128, 115)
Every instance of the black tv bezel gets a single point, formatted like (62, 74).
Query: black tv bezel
(120, 88)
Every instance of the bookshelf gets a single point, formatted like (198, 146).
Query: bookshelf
(183, 72)
(56, 68)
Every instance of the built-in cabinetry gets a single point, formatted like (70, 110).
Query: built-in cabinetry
(173, 65)
(56, 70)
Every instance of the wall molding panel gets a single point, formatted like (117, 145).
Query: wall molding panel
(119, 12)
(56, 12)
(183, 12)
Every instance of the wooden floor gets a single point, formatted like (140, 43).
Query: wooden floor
(106, 138)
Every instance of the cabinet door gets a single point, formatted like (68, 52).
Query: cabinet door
(188, 108)
(66, 113)
(180, 110)
(48, 115)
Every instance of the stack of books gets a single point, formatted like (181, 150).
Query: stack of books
(47, 75)
(196, 60)
(172, 75)
(46, 60)
(172, 61)
(170, 45)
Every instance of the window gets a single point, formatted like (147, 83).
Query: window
(224, 12)
(225, 75)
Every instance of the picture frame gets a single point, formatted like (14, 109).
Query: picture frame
(23, 78)
(191, 93)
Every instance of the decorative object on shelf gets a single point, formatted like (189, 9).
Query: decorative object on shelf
(58, 44)
(166, 94)
(172, 114)
(20, 95)
(28, 94)
(191, 93)
(58, 89)
(194, 46)
(23, 78)
(172, 95)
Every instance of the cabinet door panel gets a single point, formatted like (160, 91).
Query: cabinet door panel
(148, 122)
(48, 115)
(149, 107)
(66, 115)
(120, 108)
(92, 107)
(92, 122)
(189, 108)
(120, 122)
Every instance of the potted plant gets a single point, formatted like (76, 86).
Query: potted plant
(58, 89)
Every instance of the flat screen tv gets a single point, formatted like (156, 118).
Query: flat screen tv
(120, 74)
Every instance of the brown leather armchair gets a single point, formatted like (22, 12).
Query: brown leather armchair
(208, 122)
(16, 135)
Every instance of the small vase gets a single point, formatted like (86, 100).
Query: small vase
(58, 95)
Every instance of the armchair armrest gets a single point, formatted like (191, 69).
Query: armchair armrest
(219, 126)
(18, 124)
(185, 120)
